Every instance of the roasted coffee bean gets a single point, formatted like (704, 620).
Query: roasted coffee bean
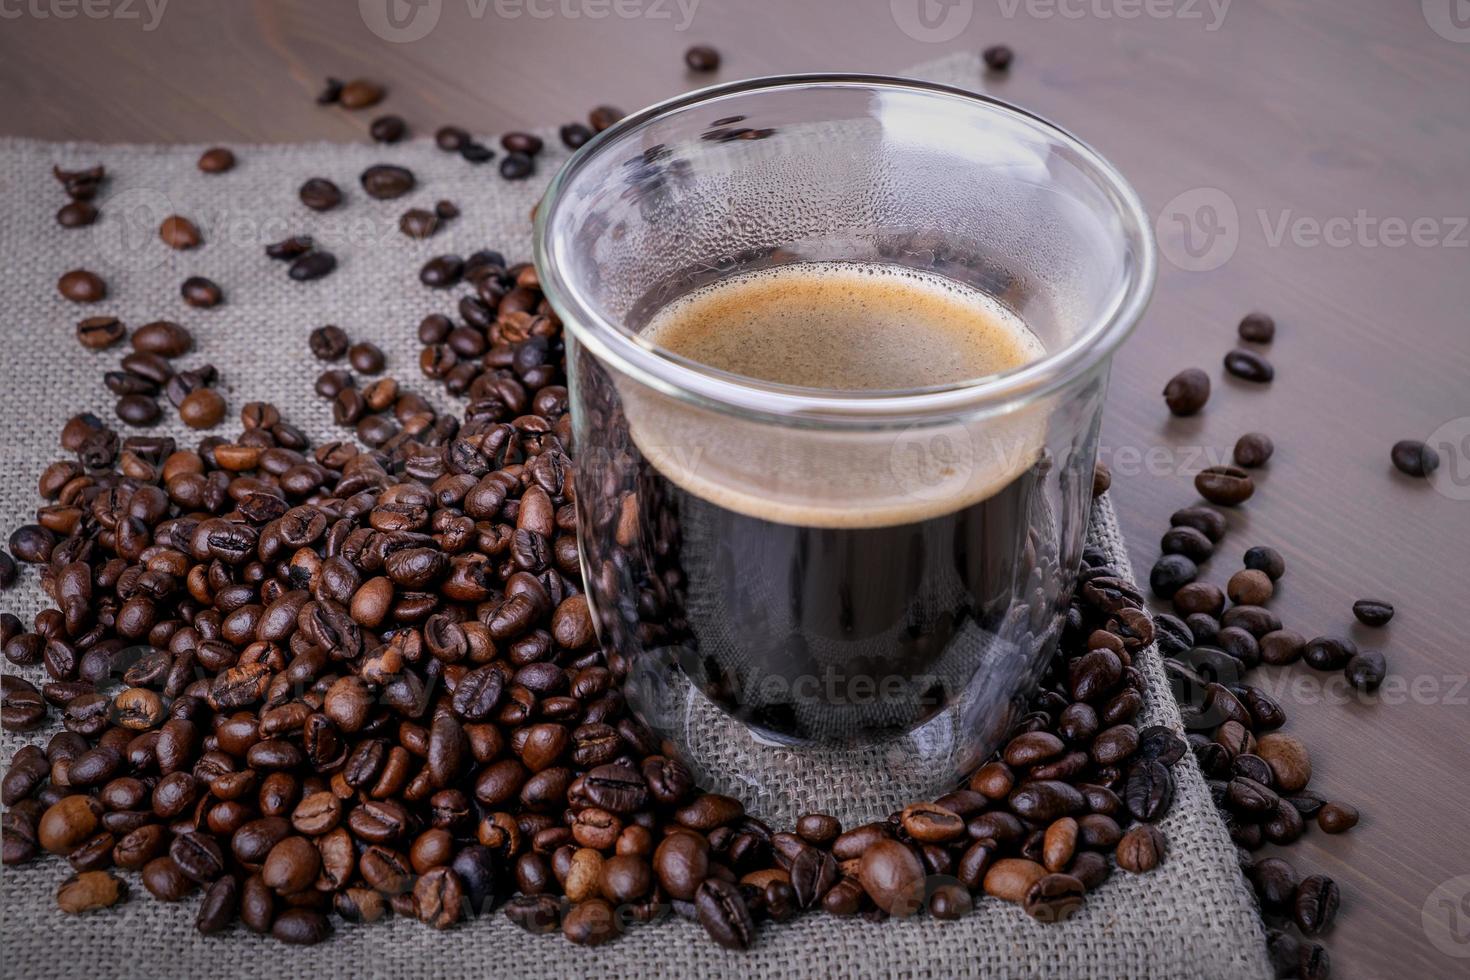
(1228, 486)
(604, 116)
(893, 877)
(165, 881)
(1408, 455)
(388, 129)
(1170, 574)
(591, 923)
(328, 343)
(89, 891)
(702, 58)
(442, 271)
(1249, 587)
(100, 332)
(138, 410)
(201, 293)
(1207, 520)
(1288, 759)
(290, 248)
(319, 194)
(998, 57)
(216, 160)
(384, 181)
(1315, 905)
(202, 408)
(527, 143)
(1258, 328)
(516, 166)
(312, 266)
(164, 338)
(1249, 366)
(1187, 392)
(301, 927)
(1187, 541)
(450, 138)
(1329, 652)
(82, 286)
(198, 856)
(476, 152)
(1366, 670)
(76, 214)
(1266, 560)
(1253, 449)
(1337, 818)
(1149, 791)
(1141, 849)
(1373, 612)
(418, 223)
(366, 358)
(220, 904)
(722, 911)
(360, 94)
(575, 135)
(179, 233)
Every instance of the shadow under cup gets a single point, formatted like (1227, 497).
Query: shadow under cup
(802, 591)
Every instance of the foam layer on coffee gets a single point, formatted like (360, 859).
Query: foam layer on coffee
(847, 327)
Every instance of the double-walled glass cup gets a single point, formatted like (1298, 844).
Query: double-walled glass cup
(818, 598)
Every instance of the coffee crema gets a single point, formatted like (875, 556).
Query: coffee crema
(867, 329)
(844, 326)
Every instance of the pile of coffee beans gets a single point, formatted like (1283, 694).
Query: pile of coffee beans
(359, 682)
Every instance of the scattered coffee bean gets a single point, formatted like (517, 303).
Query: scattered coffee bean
(164, 338)
(998, 57)
(201, 293)
(702, 58)
(418, 223)
(574, 136)
(476, 152)
(385, 181)
(1253, 449)
(603, 117)
(388, 129)
(138, 410)
(1337, 818)
(331, 92)
(100, 332)
(1249, 587)
(1373, 612)
(1187, 392)
(80, 185)
(328, 343)
(1170, 574)
(1190, 542)
(366, 358)
(1249, 366)
(81, 286)
(312, 266)
(290, 248)
(527, 143)
(1102, 478)
(1227, 486)
(202, 408)
(1366, 670)
(216, 160)
(1210, 522)
(1414, 458)
(450, 138)
(359, 94)
(76, 214)
(1258, 328)
(320, 194)
(89, 891)
(516, 166)
(179, 233)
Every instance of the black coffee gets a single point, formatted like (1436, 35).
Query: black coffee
(831, 590)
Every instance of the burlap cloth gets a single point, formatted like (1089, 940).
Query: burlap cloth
(1193, 917)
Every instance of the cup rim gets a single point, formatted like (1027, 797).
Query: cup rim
(620, 348)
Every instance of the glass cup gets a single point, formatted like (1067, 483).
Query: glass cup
(835, 599)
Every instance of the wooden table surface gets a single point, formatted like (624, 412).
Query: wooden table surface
(1316, 153)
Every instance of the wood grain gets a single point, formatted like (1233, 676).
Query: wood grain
(1295, 110)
